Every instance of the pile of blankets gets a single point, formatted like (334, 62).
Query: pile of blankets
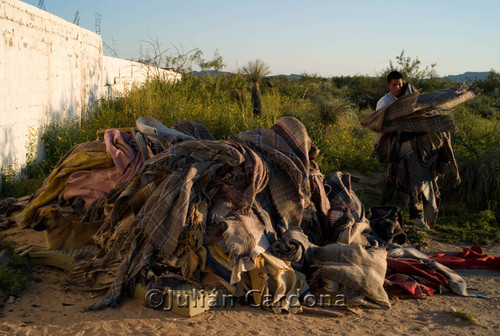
(251, 213)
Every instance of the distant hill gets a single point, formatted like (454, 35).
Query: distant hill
(289, 76)
(468, 76)
(220, 73)
(211, 73)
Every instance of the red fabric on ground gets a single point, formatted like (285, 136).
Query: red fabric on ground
(471, 258)
(405, 284)
(413, 277)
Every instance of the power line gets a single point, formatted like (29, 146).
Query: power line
(113, 44)
(76, 20)
(109, 49)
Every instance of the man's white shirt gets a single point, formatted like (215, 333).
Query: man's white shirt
(385, 101)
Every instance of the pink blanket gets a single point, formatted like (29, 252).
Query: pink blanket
(92, 184)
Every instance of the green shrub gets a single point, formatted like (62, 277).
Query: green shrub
(363, 91)
(332, 122)
(58, 137)
(478, 158)
(464, 316)
(491, 85)
(344, 146)
(15, 275)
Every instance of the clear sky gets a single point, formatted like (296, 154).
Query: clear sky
(327, 38)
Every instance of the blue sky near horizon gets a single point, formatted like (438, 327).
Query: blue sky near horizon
(327, 38)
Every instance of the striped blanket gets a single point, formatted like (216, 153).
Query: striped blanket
(415, 146)
(248, 212)
(416, 112)
(234, 176)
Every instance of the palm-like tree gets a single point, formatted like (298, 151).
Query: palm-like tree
(256, 71)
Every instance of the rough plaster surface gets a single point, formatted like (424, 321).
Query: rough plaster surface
(52, 69)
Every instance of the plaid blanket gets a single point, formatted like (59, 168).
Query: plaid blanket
(293, 247)
(157, 227)
(287, 150)
(193, 129)
(342, 195)
(413, 277)
(234, 177)
(412, 168)
(218, 206)
(417, 112)
(455, 282)
(415, 146)
(346, 222)
(352, 271)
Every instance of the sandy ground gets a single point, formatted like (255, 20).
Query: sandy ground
(44, 308)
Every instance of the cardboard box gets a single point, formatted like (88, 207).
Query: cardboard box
(185, 300)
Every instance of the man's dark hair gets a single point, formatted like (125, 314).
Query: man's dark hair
(394, 75)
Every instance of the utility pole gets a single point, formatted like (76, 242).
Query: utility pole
(98, 17)
(41, 4)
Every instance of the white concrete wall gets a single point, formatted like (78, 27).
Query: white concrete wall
(122, 74)
(50, 69)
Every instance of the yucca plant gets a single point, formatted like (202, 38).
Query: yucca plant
(256, 71)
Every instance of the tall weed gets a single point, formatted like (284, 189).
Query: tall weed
(478, 157)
